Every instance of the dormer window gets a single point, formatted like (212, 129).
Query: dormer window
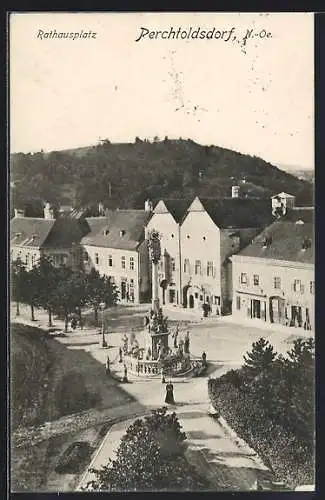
(122, 233)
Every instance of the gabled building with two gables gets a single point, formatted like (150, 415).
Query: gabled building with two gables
(197, 238)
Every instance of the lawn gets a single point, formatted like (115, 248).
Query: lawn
(48, 382)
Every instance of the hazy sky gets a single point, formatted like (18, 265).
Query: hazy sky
(256, 98)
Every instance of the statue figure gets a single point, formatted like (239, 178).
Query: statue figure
(175, 335)
(187, 343)
(160, 349)
(154, 247)
(125, 344)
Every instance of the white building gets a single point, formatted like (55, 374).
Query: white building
(166, 218)
(115, 245)
(273, 277)
(282, 202)
(59, 239)
(211, 231)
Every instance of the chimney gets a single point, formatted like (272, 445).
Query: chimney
(19, 212)
(235, 192)
(48, 211)
(148, 206)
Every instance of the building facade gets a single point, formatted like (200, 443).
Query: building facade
(58, 239)
(211, 231)
(166, 219)
(197, 238)
(115, 245)
(273, 278)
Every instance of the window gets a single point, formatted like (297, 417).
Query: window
(96, 258)
(243, 278)
(277, 282)
(173, 264)
(27, 259)
(210, 268)
(132, 263)
(63, 259)
(86, 257)
(33, 259)
(297, 286)
(188, 236)
(123, 262)
(172, 236)
(196, 295)
(201, 297)
(204, 238)
(256, 279)
(186, 266)
(110, 261)
(197, 267)
(238, 303)
(312, 287)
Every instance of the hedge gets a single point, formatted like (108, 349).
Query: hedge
(291, 461)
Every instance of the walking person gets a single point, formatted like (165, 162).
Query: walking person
(120, 352)
(170, 393)
(107, 368)
(175, 335)
(125, 378)
(73, 323)
(204, 359)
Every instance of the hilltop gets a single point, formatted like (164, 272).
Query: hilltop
(125, 174)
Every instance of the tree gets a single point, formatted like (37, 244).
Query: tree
(18, 282)
(150, 457)
(48, 279)
(259, 359)
(32, 290)
(100, 289)
(70, 292)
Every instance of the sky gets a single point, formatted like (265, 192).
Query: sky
(255, 97)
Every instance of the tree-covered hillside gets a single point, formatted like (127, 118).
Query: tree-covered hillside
(124, 175)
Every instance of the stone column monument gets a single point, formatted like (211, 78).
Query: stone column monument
(155, 254)
(159, 329)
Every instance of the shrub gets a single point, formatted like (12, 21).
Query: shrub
(150, 457)
(269, 403)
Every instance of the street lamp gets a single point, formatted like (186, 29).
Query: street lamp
(103, 342)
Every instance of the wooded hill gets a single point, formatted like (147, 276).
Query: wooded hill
(125, 175)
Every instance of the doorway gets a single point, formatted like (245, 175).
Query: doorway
(296, 316)
(123, 289)
(191, 301)
(256, 308)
